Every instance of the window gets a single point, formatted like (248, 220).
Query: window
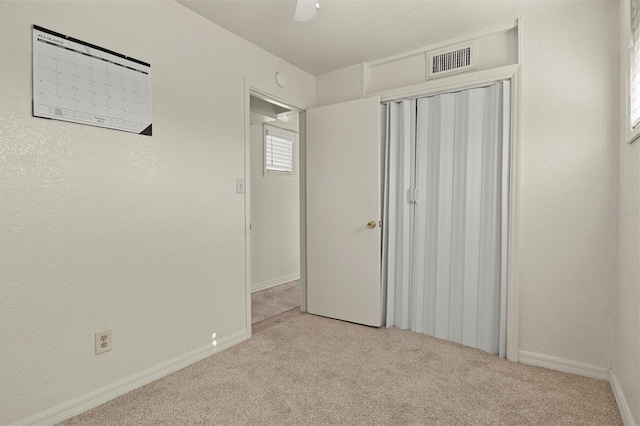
(630, 64)
(634, 77)
(278, 150)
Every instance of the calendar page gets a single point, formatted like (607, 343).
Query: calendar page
(83, 83)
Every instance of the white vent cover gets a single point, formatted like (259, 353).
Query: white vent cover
(452, 59)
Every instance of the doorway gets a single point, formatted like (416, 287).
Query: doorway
(274, 182)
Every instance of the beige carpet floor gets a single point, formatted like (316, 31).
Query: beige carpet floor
(311, 370)
(275, 300)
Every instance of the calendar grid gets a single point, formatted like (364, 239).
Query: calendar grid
(80, 82)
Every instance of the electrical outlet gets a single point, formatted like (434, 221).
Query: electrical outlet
(104, 343)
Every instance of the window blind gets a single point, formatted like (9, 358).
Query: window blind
(278, 151)
(634, 89)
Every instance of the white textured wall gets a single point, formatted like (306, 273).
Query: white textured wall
(275, 219)
(626, 348)
(102, 229)
(495, 50)
(569, 155)
(339, 86)
(569, 151)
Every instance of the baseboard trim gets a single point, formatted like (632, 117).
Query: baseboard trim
(93, 399)
(274, 282)
(623, 405)
(564, 365)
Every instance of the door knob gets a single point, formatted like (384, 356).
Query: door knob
(371, 224)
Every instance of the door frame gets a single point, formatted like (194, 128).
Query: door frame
(252, 88)
(466, 81)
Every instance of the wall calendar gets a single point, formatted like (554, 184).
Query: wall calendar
(82, 83)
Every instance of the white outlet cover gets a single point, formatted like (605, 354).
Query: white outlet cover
(104, 342)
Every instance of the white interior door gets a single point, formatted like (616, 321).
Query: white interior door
(343, 197)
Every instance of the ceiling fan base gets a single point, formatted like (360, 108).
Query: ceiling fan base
(306, 10)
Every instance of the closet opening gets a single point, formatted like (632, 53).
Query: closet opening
(446, 214)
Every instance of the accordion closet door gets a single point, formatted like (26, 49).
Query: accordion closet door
(446, 211)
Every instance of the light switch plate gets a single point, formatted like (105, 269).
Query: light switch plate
(240, 186)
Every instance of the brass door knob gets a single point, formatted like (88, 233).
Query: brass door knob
(371, 224)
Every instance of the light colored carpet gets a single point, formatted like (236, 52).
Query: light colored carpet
(275, 300)
(311, 370)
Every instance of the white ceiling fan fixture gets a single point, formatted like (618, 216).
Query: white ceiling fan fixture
(306, 10)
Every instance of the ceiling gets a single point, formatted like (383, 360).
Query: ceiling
(348, 32)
